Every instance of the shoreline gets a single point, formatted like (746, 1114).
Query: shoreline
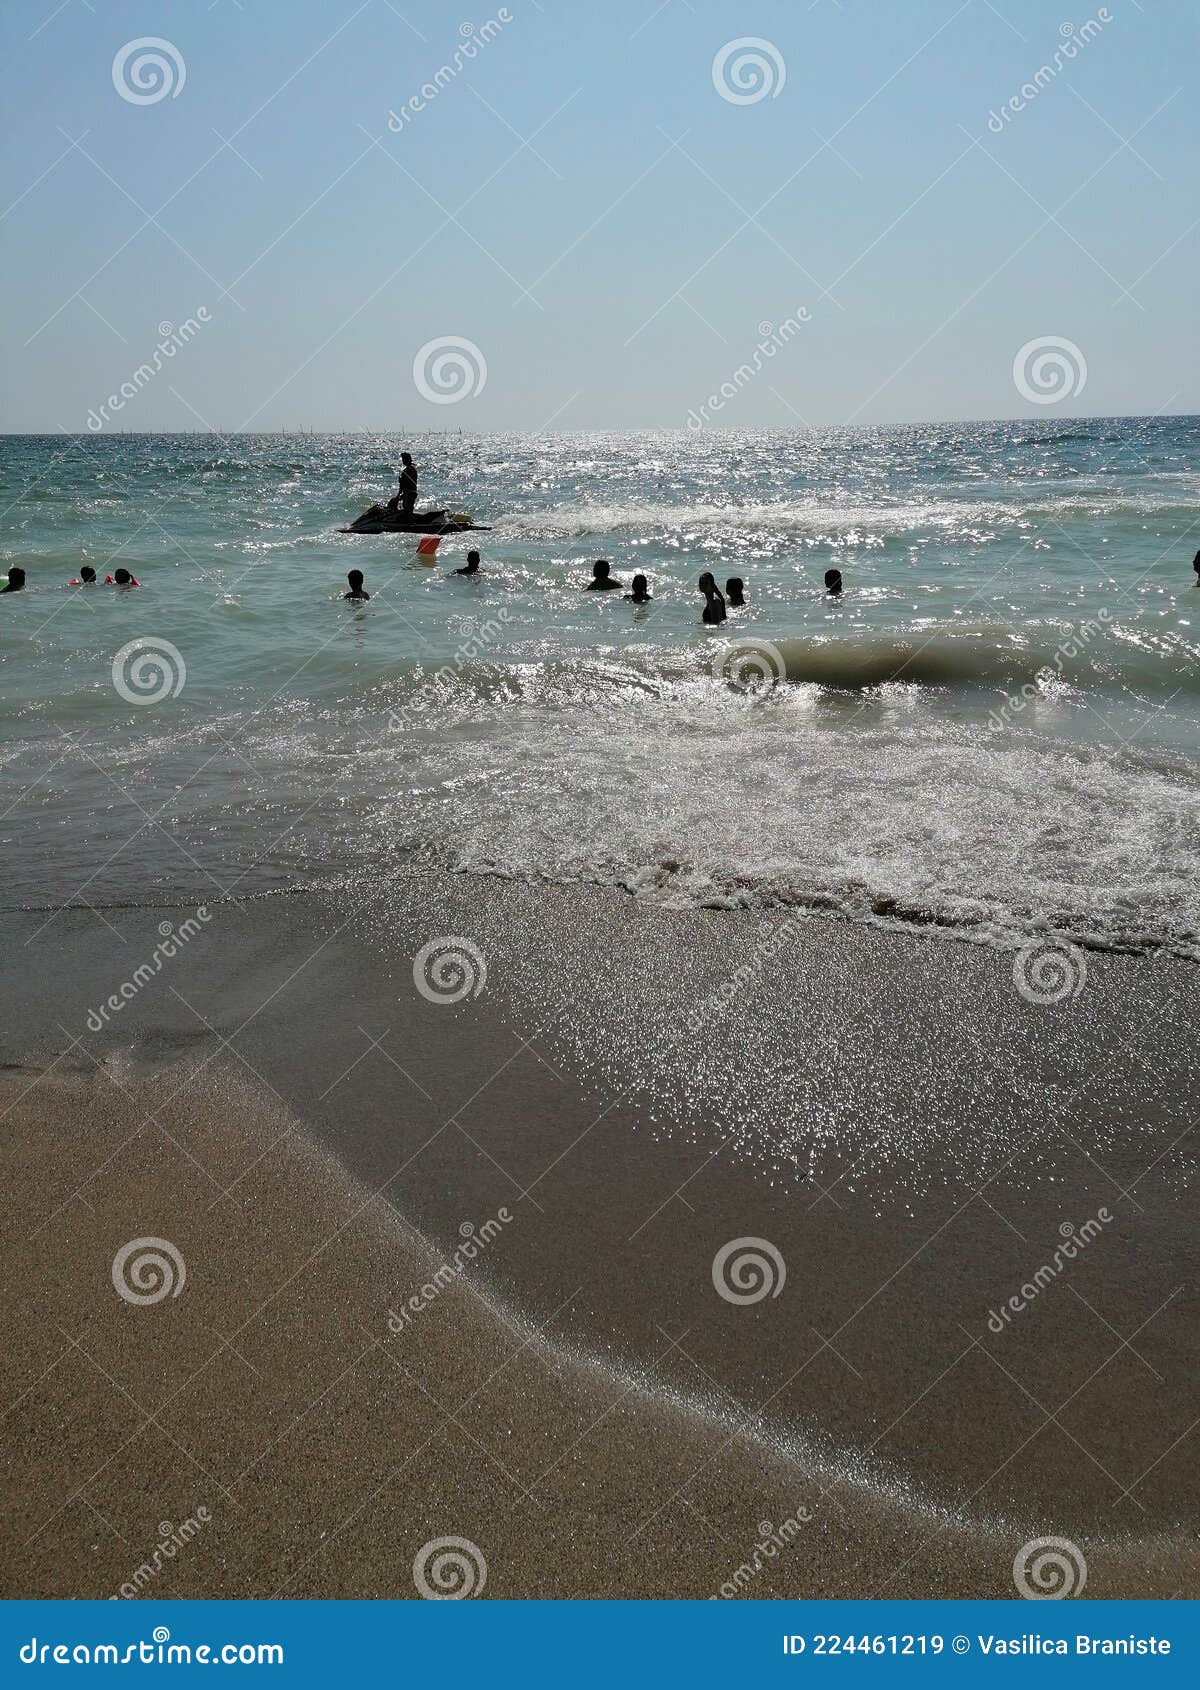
(330, 1504)
(870, 1385)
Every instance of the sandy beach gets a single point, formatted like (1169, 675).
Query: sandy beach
(899, 1140)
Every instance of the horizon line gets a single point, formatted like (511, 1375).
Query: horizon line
(632, 428)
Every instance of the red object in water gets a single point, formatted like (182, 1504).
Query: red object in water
(427, 549)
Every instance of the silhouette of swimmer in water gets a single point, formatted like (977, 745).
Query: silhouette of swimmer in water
(601, 581)
(15, 582)
(471, 567)
(734, 593)
(122, 578)
(833, 582)
(1196, 567)
(714, 605)
(641, 593)
(357, 591)
(85, 578)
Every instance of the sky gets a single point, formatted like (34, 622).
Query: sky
(600, 216)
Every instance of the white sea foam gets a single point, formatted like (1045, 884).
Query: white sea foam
(888, 807)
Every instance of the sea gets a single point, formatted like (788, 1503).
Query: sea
(992, 734)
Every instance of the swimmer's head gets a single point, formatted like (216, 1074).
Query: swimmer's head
(122, 577)
(16, 576)
(833, 580)
(733, 587)
(87, 573)
(472, 560)
(641, 587)
(355, 578)
(600, 569)
(706, 584)
(406, 457)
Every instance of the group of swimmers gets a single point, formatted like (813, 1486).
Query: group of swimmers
(717, 604)
(86, 578)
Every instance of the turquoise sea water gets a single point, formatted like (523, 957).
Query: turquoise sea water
(996, 729)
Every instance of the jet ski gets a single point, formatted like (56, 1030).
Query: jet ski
(378, 519)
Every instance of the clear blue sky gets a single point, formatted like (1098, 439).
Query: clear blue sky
(940, 242)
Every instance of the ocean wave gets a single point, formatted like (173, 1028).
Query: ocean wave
(695, 796)
(816, 516)
(895, 805)
(1094, 655)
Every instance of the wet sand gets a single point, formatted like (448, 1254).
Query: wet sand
(315, 1137)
